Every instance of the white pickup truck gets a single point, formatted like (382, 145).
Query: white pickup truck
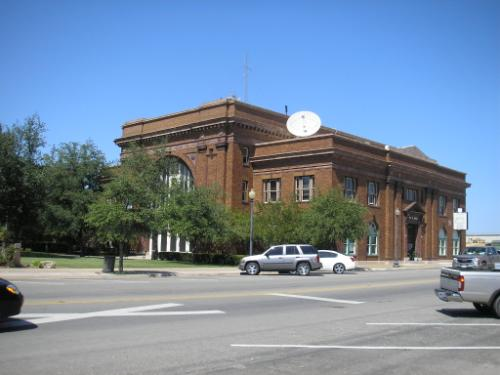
(482, 288)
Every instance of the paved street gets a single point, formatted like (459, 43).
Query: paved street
(357, 323)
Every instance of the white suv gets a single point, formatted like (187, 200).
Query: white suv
(283, 258)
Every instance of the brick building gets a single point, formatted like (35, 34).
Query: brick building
(410, 197)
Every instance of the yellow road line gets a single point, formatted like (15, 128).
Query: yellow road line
(225, 295)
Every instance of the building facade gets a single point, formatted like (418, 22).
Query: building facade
(410, 197)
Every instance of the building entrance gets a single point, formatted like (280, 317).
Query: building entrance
(412, 230)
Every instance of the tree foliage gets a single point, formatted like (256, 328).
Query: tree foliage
(73, 173)
(123, 212)
(21, 176)
(279, 222)
(332, 218)
(197, 216)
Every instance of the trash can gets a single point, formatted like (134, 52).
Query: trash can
(109, 264)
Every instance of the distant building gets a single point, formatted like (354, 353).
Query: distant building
(410, 197)
(483, 239)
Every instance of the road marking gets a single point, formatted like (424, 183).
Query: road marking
(225, 295)
(316, 298)
(436, 324)
(37, 318)
(343, 347)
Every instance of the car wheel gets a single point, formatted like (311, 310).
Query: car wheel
(303, 268)
(252, 268)
(339, 268)
(481, 307)
(496, 307)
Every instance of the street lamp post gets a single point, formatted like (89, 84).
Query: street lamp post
(251, 195)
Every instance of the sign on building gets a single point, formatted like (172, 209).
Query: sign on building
(460, 221)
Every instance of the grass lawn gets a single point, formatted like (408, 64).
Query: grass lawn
(71, 261)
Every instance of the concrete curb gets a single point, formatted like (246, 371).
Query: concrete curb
(78, 273)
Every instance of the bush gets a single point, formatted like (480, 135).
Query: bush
(10, 256)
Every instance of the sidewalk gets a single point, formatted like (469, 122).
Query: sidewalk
(94, 273)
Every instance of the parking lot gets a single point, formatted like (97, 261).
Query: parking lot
(356, 323)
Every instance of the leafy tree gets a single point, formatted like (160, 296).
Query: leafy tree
(123, 212)
(332, 218)
(73, 174)
(197, 216)
(21, 177)
(279, 222)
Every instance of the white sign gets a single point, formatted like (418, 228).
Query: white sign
(460, 221)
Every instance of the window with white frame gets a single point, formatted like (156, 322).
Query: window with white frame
(411, 195)
(349, 187)
(456, 243)
(272, 190)
(349, 247)
(442, 205)
(372, 239)
(244, 191)
(443, 239)
(456, 204)
(245, 153)
(372, 193)
(304, 186)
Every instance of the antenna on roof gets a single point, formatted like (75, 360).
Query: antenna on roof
(246, 70)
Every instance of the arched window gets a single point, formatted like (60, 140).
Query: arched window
(443, 240)
(456, 243)
(177, 172)
(245, 153)
(349, 247)
(372, 239)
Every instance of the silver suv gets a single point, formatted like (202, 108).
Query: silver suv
(477, 257)
(283, 258)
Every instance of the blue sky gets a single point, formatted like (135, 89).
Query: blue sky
(423, 73)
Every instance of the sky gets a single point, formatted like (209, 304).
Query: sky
(424, 73)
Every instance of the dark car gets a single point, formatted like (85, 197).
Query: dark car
(478, 257)
(11, 299)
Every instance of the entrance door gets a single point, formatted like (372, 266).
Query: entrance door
(411, 249)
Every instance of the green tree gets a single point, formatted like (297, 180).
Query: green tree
(73, 175)
(332, 218)
(197, 216)
(123, 212)
(21, 177)
(279, 222)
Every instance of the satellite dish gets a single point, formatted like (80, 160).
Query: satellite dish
(303, 123)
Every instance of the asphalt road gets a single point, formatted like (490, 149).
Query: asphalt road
(356, 323)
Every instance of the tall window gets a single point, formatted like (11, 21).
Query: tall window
(411, 195)
(349, 187)
(442, 205)
(304, 186)
(456, 243)
(372, 193)
(456, 204)
(443, 239)
(245, 153)
(272, 190)
(372, 239)
(350, 247)
(244, 191)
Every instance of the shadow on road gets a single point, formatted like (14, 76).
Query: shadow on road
(465, 313)
(12, 325)
(148, 273)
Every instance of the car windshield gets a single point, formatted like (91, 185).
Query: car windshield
(474, 251)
